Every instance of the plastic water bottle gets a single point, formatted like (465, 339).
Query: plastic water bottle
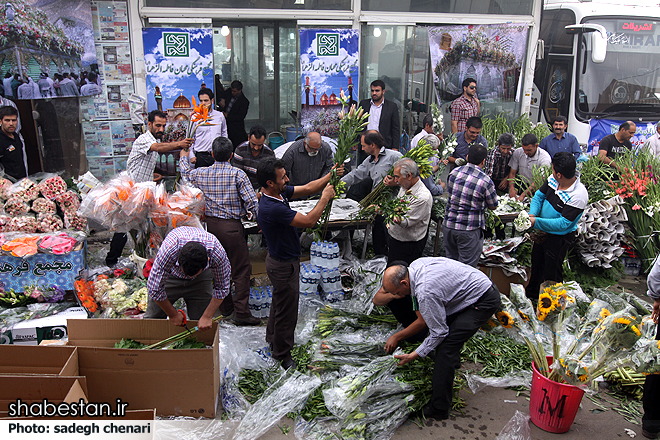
(260, 302)
(335, 255)
(251, 301)
(325, 256)
(269, 301)
(336, 279)
(314, 280)
(303, 279)
(313, 251)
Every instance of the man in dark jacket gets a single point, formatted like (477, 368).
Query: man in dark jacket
(383, 115)
(235, 111)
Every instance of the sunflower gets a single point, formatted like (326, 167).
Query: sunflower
(546, 304)
(622, 320)
(505, 319)
(604, 313)
(583, 378)
(524, 317)
(636, 330)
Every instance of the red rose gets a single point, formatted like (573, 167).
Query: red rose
(147, 268)
(118, 272)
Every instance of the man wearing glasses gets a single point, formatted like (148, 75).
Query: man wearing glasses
(307, 159)
(248, 155)
(465, 106)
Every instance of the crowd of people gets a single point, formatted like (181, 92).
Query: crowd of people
(16, 86)
(440, 302)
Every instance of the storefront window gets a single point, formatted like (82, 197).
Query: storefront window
(289, 60)
(506, 7)
(327, 5)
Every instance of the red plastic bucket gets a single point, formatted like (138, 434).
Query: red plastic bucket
(552, 405)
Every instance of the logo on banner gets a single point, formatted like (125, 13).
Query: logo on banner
(327, 44)
(177, 44)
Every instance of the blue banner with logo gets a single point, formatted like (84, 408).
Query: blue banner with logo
(602, 127)
(177, 62)
(328, 66)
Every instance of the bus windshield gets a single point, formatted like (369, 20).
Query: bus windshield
(628, 82)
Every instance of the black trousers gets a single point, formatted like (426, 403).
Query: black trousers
(203, 159)
(547, 260)
(117, 244)
(651, 400)
(462, 325)
(283, 317)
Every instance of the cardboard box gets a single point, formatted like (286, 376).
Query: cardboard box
(34, 331)
(175, 382)
(502, 281)
(55, 389)
(31, 360)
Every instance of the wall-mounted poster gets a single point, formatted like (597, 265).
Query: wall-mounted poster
(329, 66)
(602, 127)
(47, 49)
(178, 62)
(492, 54)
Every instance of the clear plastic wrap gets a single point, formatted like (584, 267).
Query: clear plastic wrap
(4, 188)
(61, 243)
(347, 393)
(15, 206)
(73, 220)
(187, 199)
(188, 428)
(49, 222)
(142, 200)
(520, 378)
(69, 201)
(25, 189)
(285, 395)
(86, 183)
(320, 428)
(516, 429)
(42, 205)
(21, 245)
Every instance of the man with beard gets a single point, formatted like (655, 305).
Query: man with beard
(141, 164)
(560, 140)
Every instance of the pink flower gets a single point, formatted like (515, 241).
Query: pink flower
(636, 207)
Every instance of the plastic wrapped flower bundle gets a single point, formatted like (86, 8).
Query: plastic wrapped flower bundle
(610, 343)
(61, 243)
(25, 189)
(4, 221)
(22, 246)
(52, 187)
(188, 200)
(23, 223)
(522, 222)
(49, 223)
(43, 206)
(68, 201)
(4, 188)
(73, 220)
(16, 206)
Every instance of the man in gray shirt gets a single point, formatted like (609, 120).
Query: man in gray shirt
(454, 300)
(307, 159)
(376, 166)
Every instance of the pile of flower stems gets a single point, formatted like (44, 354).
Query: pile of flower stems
(178, 337)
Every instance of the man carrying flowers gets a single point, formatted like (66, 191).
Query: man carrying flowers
(555, 210)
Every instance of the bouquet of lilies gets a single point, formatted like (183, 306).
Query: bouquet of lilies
(200, 118)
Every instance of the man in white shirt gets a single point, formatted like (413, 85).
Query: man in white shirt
(206, 132)
(91, 88)
(523, 161)
(141, 164)
(653, 143)
(428, 129)
(6, 84)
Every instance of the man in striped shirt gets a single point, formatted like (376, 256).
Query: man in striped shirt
(471, 191)
(229, 197)
(190, 264)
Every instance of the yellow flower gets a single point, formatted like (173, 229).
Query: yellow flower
(658, 344)
(604, 313)
(636, 330)
(524, 317)
(624, 321)
(505, 319)
(583, 378)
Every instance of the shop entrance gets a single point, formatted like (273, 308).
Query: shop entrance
(264, 57)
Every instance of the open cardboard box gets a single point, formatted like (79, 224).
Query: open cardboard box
(175, 382)
(30, 389)
(502, 281)
(31, 360)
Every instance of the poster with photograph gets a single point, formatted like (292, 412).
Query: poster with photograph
(329, 66)
(177, 63)
(103, 168)
(492, 54)
(98, 138)
(123, 136)
(58, 35)
(112, 24)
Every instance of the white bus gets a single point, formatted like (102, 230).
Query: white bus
(600, 60)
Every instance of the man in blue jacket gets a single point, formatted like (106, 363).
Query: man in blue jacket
(555, 209)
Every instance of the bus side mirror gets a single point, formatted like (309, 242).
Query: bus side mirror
(598, 47)
(598, 39)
